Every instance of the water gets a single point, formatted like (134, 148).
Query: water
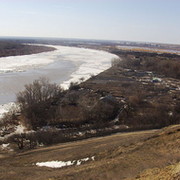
(62, 66)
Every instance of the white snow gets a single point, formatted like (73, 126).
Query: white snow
(93, 62)
(60, 164)
(87, 62)
(93, 158)
(90, 61)
(55, 164)
(19, 129)
(78, 163)
(4, 146)
(4, 108)
(157, 79)
(82, 160)
(24, 62)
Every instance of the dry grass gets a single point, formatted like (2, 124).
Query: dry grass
(171, 172)
(118, 156)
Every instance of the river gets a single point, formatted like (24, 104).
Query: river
(62, 66)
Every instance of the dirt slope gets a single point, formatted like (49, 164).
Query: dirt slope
(171, 172)
(119, 156)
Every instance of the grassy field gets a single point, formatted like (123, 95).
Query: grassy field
(119, 156)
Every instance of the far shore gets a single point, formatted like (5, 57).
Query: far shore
(15, 49)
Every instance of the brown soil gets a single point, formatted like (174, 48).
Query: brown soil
(147, 96)
(118, 156)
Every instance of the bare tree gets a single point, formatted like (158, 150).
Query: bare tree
(36, 101)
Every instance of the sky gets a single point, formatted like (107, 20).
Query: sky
(129, 20)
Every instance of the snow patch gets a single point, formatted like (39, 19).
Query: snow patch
(20, 129)
(55, 164)
(4, 108)
(155, 79)
(4, 146)
(60, 164)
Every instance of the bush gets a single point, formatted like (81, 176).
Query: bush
(74, 86)
(37, 100)
(31, 140)
(104, 110)
(9, 121)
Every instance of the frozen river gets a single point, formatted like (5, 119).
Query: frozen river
(64, 65)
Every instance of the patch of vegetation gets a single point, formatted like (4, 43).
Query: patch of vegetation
(135, 94)
(43, 103)
(8, 48)
(164, 64)
(147, 87)
(36, 102)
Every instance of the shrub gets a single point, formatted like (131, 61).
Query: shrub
(106, 109)
(36, 102)
(19, 139)
(9, 121)
(74, 86)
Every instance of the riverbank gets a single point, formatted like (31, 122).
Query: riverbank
(145, 99)
(143, 94)
(61, 66)
(147, 91)
(16, 49)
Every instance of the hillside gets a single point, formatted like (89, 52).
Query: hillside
(169, 172)
(119, 156)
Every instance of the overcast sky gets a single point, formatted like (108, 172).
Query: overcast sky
(132, 20)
